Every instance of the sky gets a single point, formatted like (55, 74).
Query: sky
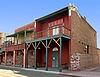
(17, 13)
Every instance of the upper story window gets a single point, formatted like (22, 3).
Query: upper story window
(87, 49)
(55, 31)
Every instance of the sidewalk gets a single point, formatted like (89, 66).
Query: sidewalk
(85, 73)
(91, 72)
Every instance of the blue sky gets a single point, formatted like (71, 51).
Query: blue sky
(16, 13)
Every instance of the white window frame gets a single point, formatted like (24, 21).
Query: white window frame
(55, 31)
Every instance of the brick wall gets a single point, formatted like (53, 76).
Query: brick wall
(87, 60)
(82, 34)
(31, 58)
(3, 60)
(10, 58)
(19, 58)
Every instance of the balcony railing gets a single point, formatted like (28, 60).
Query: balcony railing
(55, 31)
(15, 47)
(58, 30)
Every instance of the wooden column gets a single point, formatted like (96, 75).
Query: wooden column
(35, 55)
(24, 63)
(60, 69)
(25, 36)
(17, 38)
(26, 57)
(14, 58)
(46, 56)
(5, 58)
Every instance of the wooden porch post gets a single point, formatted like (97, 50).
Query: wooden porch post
(24, 63)
(60, 69)
(5, 58)
(14, 58)
(26, 57)
(25, 36)
(46, 56)
(25, 51)
(17, 38)
(35, 55)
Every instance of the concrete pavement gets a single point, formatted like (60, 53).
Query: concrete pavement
(90, 72)
(7, 71)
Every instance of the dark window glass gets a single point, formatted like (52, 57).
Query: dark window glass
(87, 49)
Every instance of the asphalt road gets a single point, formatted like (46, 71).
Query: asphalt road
(10, 72)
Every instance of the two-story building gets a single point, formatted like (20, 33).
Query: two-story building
(62, 39)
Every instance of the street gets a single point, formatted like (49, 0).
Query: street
(10, 72)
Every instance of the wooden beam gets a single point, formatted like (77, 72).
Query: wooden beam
(58, 39)
(56, 42)
(49, 43)
(28, 45)
(43, 44)
(33, 45)
(38, 44)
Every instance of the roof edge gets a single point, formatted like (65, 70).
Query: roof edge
(52, 14)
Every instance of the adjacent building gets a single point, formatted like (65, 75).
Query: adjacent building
(2, 44)
(62, 39)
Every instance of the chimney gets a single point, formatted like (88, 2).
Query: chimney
(84, 17)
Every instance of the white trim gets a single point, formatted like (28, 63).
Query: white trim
(72, 7)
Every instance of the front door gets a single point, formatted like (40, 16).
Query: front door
(54, 58)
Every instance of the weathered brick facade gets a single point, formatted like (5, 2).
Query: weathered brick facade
(82, 34)
(19, 58)
(31, 58)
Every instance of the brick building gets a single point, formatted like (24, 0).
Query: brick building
(62, 39)
(2, 43)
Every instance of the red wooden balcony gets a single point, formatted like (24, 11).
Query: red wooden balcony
(55, 31)
(15, 47)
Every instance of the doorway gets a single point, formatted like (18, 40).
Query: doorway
(55, 57)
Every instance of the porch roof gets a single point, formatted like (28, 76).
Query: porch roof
(54, 14)
(21, 32)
